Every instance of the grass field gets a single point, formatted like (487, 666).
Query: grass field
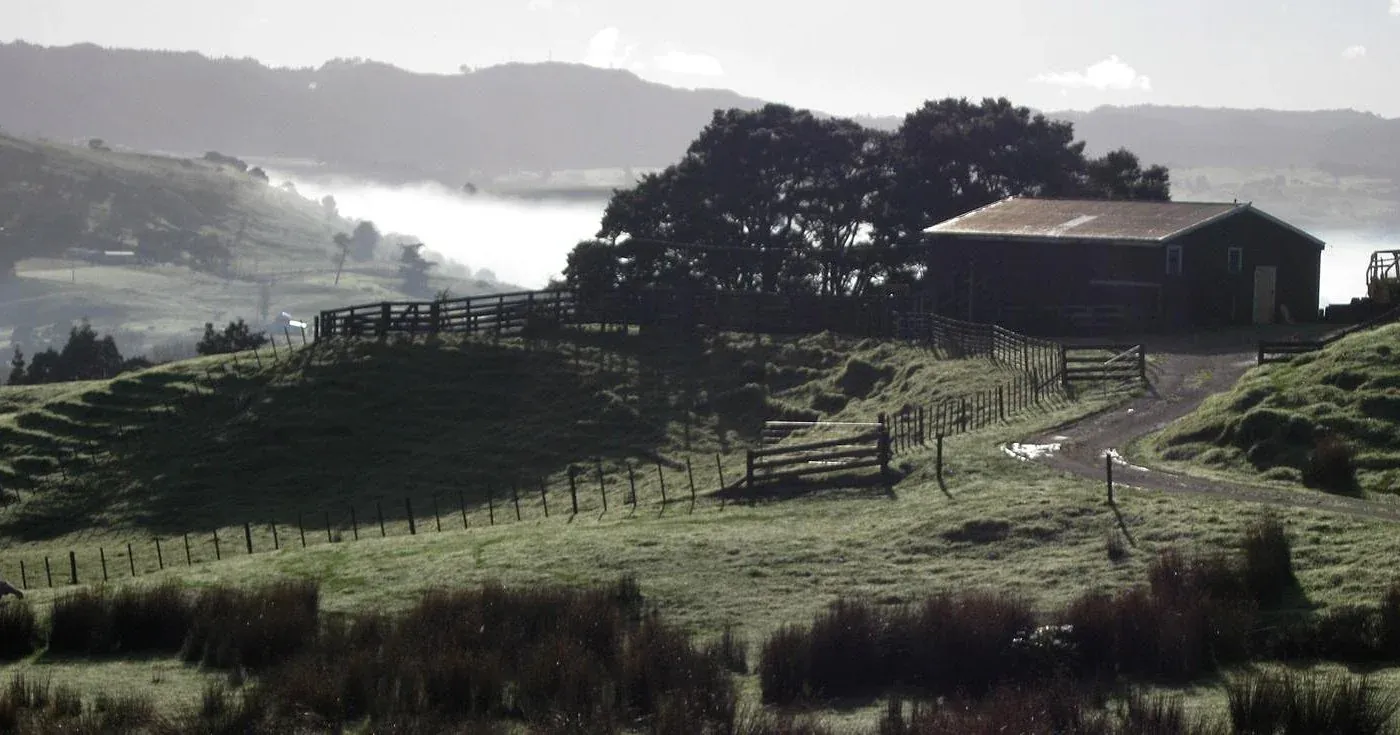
(1276, 425)
(383, 422)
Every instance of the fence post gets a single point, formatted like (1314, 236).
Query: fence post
(462, 505)
(938, 457)
(1108, 474)
(1142, 363)
(354, 524)
(130, 559)
(661, 478)
(631, 484)
(408, 508)
(188, 559)
(690, 475)
(748, 468)
(1001, 404)
(1064, 368)
(719, 466)
(160, 556)
(884, 448)
(301, 530)
(491, 504)
(962, 415)
(515, 497)
(573, 488)
(379, 511)
(330, 539)
(217, 555)
(276, 543)
(602, 485)
(49, 572)
(437, 517)
(385, 314)
(544, 497)
(248, 537)
(72, 568)
(101, 554)
(23, 575)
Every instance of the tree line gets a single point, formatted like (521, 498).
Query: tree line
(86, 356)
(782, 200)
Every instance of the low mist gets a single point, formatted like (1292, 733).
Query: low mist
(523, 242)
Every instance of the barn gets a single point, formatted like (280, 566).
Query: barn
(1061, 266)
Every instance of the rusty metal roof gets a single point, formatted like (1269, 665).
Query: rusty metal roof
(1126, 222)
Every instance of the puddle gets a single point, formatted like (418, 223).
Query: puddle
(1028, 452)
(1118, 460)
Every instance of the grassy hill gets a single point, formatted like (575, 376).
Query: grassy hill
(323, 429)
(1299, 422)
(207, 236)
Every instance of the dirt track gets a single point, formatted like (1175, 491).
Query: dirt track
(1184, 373)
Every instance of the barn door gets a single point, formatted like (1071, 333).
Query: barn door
(1265, 293)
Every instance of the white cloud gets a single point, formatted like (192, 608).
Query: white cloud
(536, 6)
(680, 62)
(606, 50)
(1395, 7)
(1354, 52)
(1111, 73)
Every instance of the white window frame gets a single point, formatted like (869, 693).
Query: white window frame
(1175, 257)
(1234, 260)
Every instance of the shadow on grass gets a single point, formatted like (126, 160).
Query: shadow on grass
(837, 486)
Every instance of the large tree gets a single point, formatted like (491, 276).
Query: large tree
(778, 199)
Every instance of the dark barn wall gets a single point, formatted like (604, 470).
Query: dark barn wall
(1014, 276)
(1014, 279)
(1210, 295)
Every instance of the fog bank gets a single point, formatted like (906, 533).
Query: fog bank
(524, 242)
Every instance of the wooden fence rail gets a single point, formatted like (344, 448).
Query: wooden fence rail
(496, 314)
(869, 448)
(1103, 363)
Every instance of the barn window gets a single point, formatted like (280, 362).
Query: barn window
(1234, 260)
(1173, 260)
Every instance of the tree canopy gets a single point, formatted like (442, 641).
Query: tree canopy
(235, 337)
(782, 200)
(85, 357)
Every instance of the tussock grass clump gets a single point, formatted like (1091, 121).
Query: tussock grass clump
(948, 643)
(251, 629)
(1268, 703)
(558, 659)
(19, 630)
(31, 706)
(1056, 708)
(860, 378)
(1268, 561)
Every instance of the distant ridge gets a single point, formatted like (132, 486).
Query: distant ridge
(372, 119)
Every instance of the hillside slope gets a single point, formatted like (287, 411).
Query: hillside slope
(1289, 422)
(212, 442)
(206, 237)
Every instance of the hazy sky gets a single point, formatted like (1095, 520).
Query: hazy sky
(847, 57)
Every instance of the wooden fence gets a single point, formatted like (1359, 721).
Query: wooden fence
(496, 314)
(970, 339)
(1283, 351)
(1103, 363)
(870, 447)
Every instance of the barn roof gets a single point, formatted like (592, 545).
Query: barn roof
(1125, 222)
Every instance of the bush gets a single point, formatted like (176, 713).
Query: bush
(783, 666)
(1331, 466)
(1268, 561)
(236, 337)
(19, 631)
(560, 660)
(133, 620)
(252, 629)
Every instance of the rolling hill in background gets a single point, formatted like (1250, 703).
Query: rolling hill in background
(371, 120)
(208, 242)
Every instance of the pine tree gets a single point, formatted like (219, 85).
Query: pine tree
(17, 369)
